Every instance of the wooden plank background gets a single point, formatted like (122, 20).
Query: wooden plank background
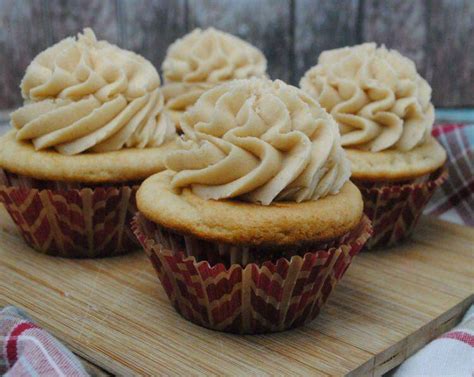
(437, 34)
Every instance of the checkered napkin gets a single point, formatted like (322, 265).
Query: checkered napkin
(28, 351)
(452, 354)
(454, 201)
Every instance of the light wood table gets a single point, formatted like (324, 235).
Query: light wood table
(114, 313)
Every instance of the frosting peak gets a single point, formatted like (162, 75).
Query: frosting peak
(88, 95)
(259, 141)
(212, 56)
(376, 96)
(204, 58)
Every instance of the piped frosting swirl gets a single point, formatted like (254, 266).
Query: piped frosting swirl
(204, 58)
(88, 95)
(259, 141)
(376, 96)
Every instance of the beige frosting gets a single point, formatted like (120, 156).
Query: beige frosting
(259, 141)
(204, 58)
(376, 96)
(180, 96)
(88, 95)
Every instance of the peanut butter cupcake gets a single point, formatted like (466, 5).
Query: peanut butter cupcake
(256, 220)
(203, 59)
(91, 129)
(385, 116)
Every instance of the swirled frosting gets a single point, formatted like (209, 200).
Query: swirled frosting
(88, 95)
(203, 59)
(376, 96)
(260, 141)
(180, 96)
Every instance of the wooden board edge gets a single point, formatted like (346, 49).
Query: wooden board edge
(98, 362)
(92, 369)
(399, 352)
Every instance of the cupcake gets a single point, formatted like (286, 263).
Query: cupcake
(203, 59)
(92, 127)
(256, 220)
(385, 116)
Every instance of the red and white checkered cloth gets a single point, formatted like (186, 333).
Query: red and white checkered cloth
(454, 201)
(452, 354)
(29, 351)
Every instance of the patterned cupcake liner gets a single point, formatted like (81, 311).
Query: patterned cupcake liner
(245, 297)
(71, 219)
(395, 207)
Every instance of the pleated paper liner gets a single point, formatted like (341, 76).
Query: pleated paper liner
(239, 293)
(395, 208)
(70, 219)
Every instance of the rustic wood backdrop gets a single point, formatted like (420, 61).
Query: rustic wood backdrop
(437, 34)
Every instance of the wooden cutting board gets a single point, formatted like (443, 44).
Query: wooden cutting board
(114, 313)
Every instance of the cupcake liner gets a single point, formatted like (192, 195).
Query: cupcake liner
(245, 297)
(394, 208)
(70, 220)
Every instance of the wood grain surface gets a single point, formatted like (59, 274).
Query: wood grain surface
(450, 44)
(398, 24)
(63, 20)
(329, 25)
(114, 313)
(149, 26)
(266, 23)
(24, 32)
(437, 34)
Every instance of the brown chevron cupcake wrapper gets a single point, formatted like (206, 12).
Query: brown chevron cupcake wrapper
(239, 293)
(394, 208)
(71, 220)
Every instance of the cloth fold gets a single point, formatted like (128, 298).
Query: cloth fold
(454, 201)
(28, 351)
(452, 354)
